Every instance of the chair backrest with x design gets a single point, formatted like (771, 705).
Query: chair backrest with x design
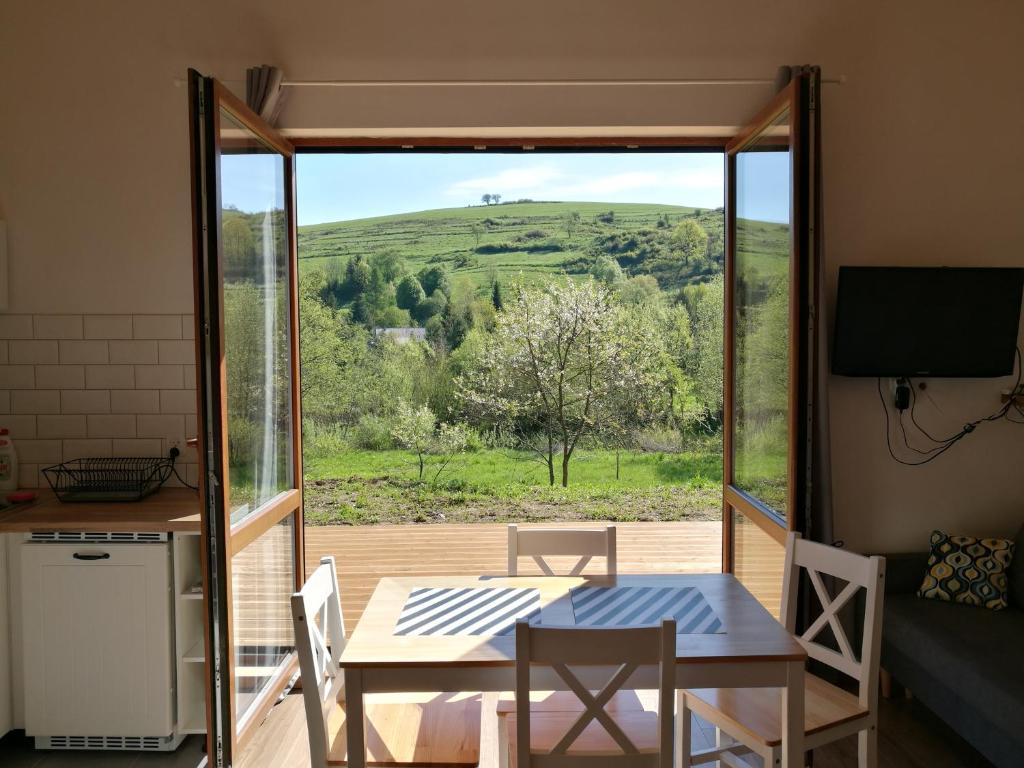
(824, 563)
(319, 640)
(583, 543)
(622, 649)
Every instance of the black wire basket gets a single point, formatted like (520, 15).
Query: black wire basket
(118, 479)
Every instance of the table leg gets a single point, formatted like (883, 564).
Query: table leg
(355, 730)
(793, 716)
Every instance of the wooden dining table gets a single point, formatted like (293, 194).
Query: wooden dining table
(749, 649)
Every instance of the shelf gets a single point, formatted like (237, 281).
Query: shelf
(196, 654)
(191, 595)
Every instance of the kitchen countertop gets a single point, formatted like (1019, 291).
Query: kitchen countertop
(167, 510)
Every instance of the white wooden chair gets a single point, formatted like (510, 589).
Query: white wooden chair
(584, 543)
(400, 728)
(609, 728)
(749, 719)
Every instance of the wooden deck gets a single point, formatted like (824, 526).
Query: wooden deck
(366, 554)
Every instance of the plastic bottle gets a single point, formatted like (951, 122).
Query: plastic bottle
(8, 463)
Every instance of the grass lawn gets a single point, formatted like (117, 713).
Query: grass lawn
(371, 487)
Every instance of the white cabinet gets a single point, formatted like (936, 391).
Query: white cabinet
(98, 639)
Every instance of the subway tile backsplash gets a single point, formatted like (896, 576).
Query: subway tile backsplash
(79, 386)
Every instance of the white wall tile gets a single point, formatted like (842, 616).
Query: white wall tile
(177, 401)
(60, 377)
(58, 326)
(190, 376)
(138, 447)
(5, 401)
(103, 425)
(4, 356)
(177, 352)
(39, 451)
(192, 474)
(15, 326)
(133, 351)
(29, 477)
(157, 326)
(24, 352)
(191, 426)
(135, 401)
(109, 377)
(61, 426)
(108, 326)
(165, 425)
(17, 376)
(87, 449)
(85, 401)
(20, 427)
(188, 327)
(35, 401)
(83, 352)
(159, 376)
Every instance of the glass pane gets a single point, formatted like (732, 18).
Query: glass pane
(254, 234)
(758, 562)
(262, 581)
(761, 318)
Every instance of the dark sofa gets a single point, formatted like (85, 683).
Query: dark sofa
(966, 664)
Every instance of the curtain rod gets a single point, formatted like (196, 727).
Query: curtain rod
(535, 83)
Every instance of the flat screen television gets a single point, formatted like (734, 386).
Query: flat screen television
(927, 321)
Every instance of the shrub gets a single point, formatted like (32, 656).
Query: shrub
(373, 433)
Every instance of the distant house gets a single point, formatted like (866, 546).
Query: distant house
(402, 335)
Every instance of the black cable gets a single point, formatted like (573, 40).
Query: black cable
(913, 417)
(968, 428)
(175, 453)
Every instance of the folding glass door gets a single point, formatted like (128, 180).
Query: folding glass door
(767, 238)
(250, 445)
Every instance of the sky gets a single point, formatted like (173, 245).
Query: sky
(336, 187)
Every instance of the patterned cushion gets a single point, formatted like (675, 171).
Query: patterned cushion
(963, 569)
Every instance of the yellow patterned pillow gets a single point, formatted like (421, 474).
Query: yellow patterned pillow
(963, 569)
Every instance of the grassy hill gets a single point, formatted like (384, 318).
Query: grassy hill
(527, 239)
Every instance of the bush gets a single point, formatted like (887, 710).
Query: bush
(323, 440)
(373, 433)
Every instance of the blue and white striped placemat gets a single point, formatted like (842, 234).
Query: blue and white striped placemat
(466, 610)
(637, 606)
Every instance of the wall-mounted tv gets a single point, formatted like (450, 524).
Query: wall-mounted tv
(927, 321)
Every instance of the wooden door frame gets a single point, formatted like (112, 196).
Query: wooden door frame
(792, 98)
(220, 539)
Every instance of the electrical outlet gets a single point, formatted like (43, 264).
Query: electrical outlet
(176, 443)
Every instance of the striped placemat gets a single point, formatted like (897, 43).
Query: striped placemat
(466, 610)
(636, 606)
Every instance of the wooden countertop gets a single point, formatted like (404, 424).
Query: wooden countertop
(167, 510)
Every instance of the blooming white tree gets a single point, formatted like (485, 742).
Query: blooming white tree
(415, 431)
(569, 361)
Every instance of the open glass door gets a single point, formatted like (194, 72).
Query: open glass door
(249, 435)
(767, 238)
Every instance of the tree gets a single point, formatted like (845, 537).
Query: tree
(496, 199)
(357, 277)
(433, 304)
(567, 359)
(389, 264)
(478, 231)
(409, 292)
(703, 362)
(572, 223)
(606, 270)
(496, 298)
(689, 240)
(414, 430)
(642, 289)
(486, 199)
(435, 278)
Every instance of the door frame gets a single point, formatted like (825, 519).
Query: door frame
(793, 98)
(221, 540)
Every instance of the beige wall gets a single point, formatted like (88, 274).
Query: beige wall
(923, 154)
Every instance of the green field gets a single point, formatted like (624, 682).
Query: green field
(360, 487)
(531, 238)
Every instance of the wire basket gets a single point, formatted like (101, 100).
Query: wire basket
(118, 479)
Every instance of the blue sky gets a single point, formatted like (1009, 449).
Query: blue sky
(335, 187)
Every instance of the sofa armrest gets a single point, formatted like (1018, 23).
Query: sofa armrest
(904, 572)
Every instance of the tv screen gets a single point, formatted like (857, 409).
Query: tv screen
(927, 321)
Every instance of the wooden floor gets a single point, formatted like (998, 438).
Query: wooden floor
(366, 554)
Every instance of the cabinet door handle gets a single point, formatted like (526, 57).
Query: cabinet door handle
(101, 556)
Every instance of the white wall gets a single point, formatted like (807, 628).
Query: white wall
(923, 154)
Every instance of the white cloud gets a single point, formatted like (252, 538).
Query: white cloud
(513, 179)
